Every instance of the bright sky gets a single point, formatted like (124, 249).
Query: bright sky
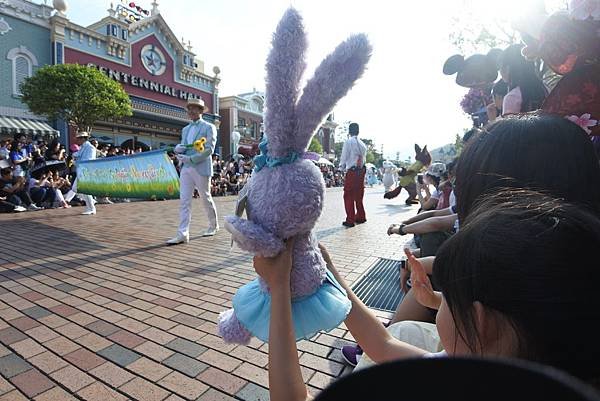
(402, 99)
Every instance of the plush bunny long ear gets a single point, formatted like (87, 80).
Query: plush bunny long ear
(332, 80)
(285, 66)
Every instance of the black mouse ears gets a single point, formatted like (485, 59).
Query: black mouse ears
(454, 64)
(476, 70)
(457, 62)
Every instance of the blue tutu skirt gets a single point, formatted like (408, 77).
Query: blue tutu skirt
(323, 310)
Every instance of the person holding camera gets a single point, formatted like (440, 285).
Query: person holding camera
(353, 158)
(432, 177)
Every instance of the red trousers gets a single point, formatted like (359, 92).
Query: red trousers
(354, 190)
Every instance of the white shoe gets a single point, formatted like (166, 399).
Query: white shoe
(179, 239)
(33, 207)
(209, 232)
(89, 212)
(19, 209)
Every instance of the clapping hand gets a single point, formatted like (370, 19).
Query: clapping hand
(421, 285)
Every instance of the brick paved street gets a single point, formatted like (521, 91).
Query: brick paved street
(96, 308)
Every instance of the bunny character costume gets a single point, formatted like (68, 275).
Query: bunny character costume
(284, 197)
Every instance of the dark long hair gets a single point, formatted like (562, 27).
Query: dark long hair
(533, 151)
(522, 74)
(526, 255)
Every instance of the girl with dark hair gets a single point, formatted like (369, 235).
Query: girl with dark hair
(54, 151)
(526, 90)
(536, 151)
(515, 282)
(533, 151)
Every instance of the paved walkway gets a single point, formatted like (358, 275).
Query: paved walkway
(96, 308)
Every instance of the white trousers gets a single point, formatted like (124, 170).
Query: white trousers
(89, 199)
(189, 180)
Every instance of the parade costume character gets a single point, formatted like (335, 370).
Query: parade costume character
(372, 176)
(284, 197)
(198, 140)
(86, 152)
(354, 153)
(407, 176)
(389, 175)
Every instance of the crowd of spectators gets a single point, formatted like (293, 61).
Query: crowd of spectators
(26, 185)
(36, 173)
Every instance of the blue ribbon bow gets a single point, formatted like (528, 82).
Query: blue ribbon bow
(264, 160)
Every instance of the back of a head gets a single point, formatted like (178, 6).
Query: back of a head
(525, 255)
(353, 129)
(533, 151)
(465, 379)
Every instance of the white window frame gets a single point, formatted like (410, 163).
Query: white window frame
(32, 61)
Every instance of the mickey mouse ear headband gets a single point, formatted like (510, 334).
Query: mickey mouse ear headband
(577, 97)
(476, 71)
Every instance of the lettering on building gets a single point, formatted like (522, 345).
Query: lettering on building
(142, 83)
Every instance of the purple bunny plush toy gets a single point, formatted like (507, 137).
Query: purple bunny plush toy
(284, 197)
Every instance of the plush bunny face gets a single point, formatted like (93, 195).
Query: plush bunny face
(287, 200)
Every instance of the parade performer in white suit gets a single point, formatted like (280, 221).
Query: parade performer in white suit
(87, 151)
(196, 171)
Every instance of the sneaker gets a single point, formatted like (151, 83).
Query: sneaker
(346, 224)
(352, 354)
(179, 239)
(89, 212)
(19, 209)
(33, 207)
(209, 232)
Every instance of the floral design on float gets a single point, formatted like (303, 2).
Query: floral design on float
(585, 121)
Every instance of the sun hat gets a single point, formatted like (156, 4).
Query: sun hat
(195, 102)
(436, 169)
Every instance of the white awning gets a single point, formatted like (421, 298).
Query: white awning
(26, 126)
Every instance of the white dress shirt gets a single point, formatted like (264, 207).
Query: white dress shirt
(353, 149)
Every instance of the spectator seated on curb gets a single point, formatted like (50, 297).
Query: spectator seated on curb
(15, 190)
(433, 176)
(42, 192)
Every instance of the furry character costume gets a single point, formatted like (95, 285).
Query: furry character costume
(284, 197)
(407, 176)
(389, 175)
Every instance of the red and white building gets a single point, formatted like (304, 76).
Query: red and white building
(138, 49)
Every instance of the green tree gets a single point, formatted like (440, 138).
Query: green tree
(75, 93)
(337, 150)
(458, 144)
(315, 146)
(373, 156)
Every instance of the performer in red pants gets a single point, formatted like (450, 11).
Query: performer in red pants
(353, 161)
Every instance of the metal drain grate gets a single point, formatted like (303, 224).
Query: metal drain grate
(379, 288)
